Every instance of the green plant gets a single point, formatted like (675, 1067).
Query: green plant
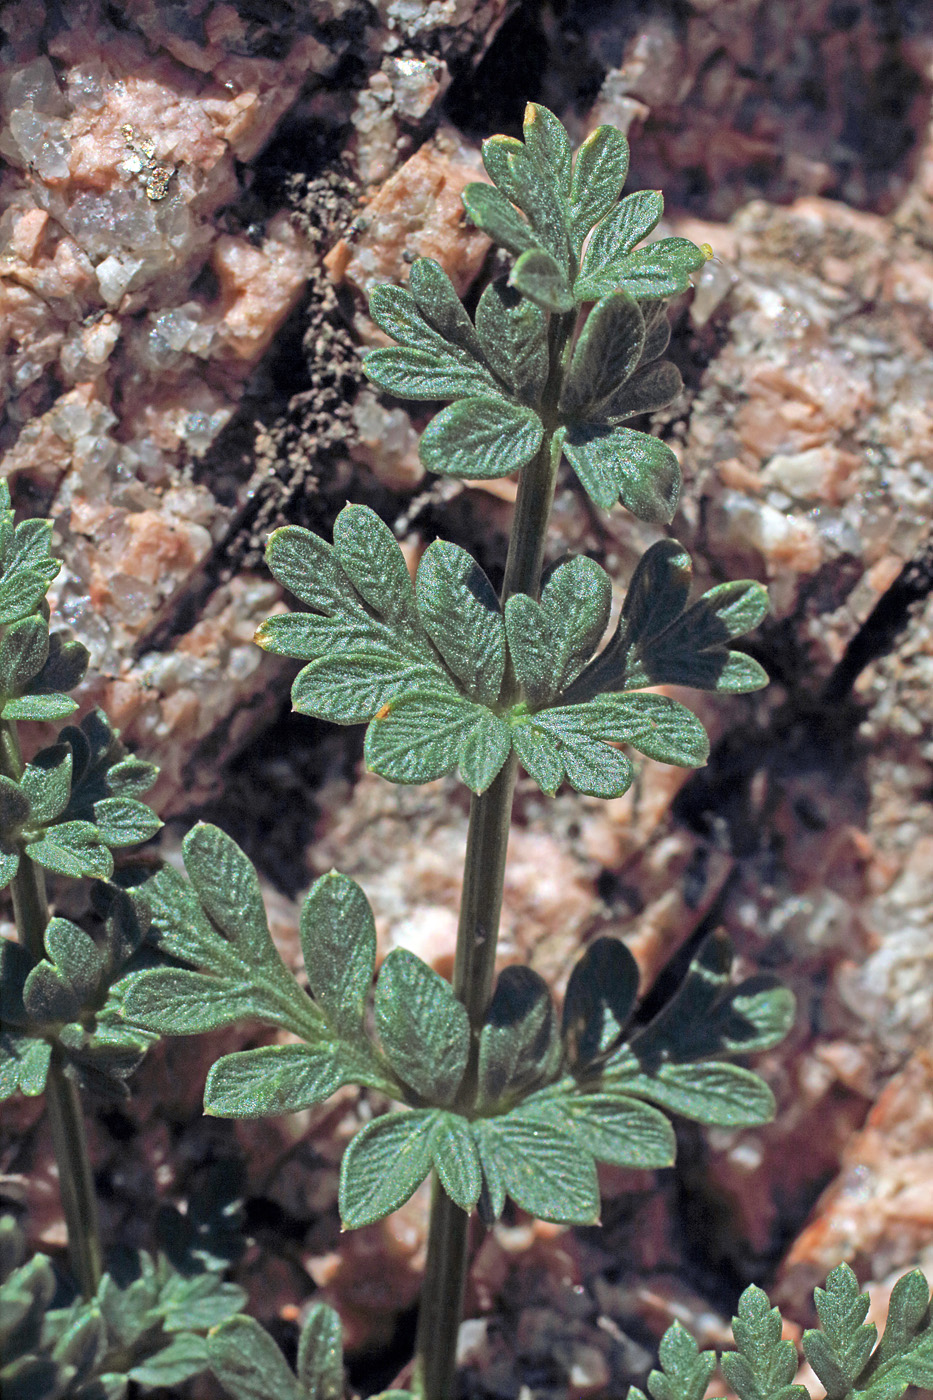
(497, 1095)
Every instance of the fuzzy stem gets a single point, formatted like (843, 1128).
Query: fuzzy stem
(480, 908)
(76, 1179)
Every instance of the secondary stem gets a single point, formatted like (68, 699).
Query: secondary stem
(477, 935)
(75, 1177)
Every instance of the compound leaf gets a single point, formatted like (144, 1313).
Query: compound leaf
(24, 1064)
(764, 1366)
(384, 1164)
(72, 848)
(840, 1350)
(685, 1370)
(440, 306)
(481, 437)
(614, 237)
(228, 887)
(370, 556)
(424, 1029)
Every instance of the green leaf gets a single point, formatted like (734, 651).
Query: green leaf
(456, 1159)
(716, 1093)
(599, 173)
(460, 612)
(31, 549)
(619, 464)
(131, 777)
(320, 1354)
(195, 1302)
(606, 354)
(839, 1352)
(23, 651)
(408, 373)
(650, 388)
(274, 1079)
(513, 332)
(46, 781)
(24, 1064)
(228, 888)
(248, 1364)
(21, 592)
(481, 437)
(614, 237)
(599, 1001)
(548, 145)
(424, 734)
(686, 1370)
(540, 277)
(39, 707)
(656, 726)
(542, 1166)
(349, 687)
(519, 1046)
(424, 1029)
(540, 756)
(905, 1353)
(122, 821)
(77, 957)
(370, 556)
(440, 306)
(72, 848)
(483, 751)
(308, 567)
(661, 269)
(532, 189)
(764, 1366)
(620, 1130)
(551, 641)
(185, 1356)
(338, 938)
(490, 211)
(384, 1164)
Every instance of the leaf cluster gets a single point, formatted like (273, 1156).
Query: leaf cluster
(67, 1002)
(546, 1098)
(423, 664)
(521, 371)
(146, 1327)
(76, 802)
(842, 1350)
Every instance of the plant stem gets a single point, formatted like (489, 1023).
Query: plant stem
(75, 1177)
(477, 936)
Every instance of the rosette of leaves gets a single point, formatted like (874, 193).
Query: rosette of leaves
(146, 1328)
(66, 1003)
(508, 376)
(842, 1350)
(423, 664)
(549, 1099)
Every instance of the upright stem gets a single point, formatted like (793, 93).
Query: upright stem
(477, 935)
(75, 1177)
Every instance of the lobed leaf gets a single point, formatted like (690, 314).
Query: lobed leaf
(599, 1001)
(514, 338)
(551, 641)
(338, 939)
(228, 889)
(764, 1366)
(490, 210)
(614, 237)
(274, 1079)
(248, 1364)
(460, 612)
(519, 1046)
(425, 734)
(620, 464)
(606, 354)
(540, 1165)
(539, 277)
(599, 172)
(456, 1159)
(440, 306)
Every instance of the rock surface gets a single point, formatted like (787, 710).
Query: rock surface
(194, 202)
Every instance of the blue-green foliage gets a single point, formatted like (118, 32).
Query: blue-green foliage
(146, 1327)
(546, 1100)
(423, 664)
(541, 206)
(66, 810)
